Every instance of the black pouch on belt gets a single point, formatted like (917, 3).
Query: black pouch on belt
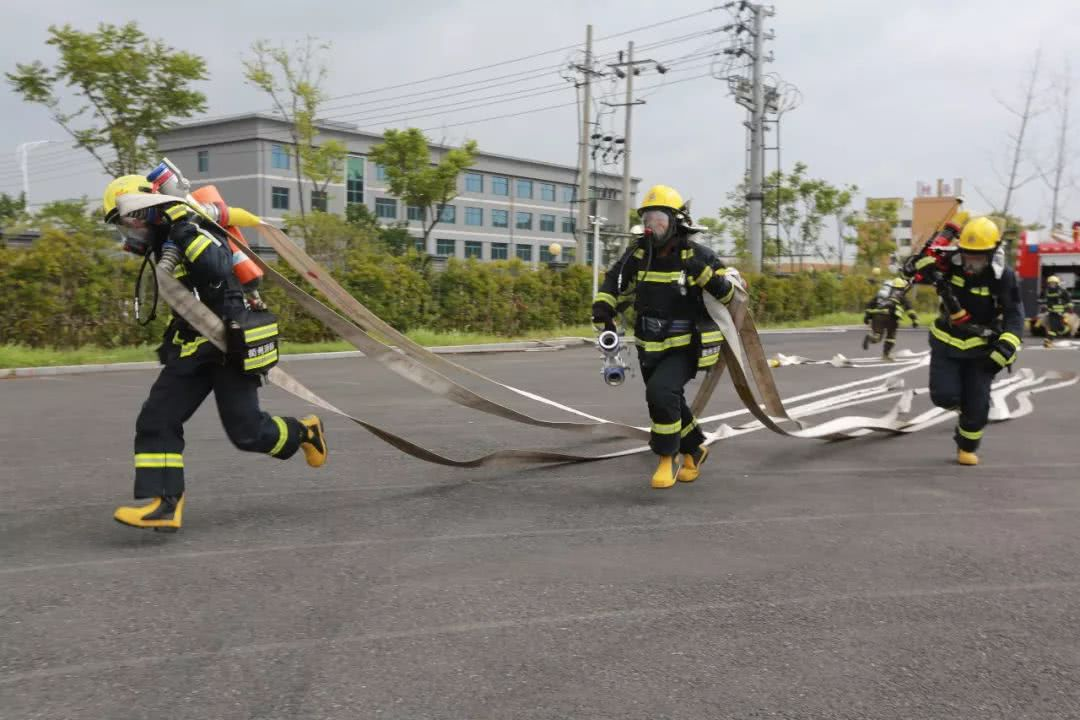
(653, 328)
(253, 342)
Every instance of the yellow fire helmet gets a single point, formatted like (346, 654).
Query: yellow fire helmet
(1053, 280)
(121, 186)
(980, 234)
(899, 283)
(662, 196)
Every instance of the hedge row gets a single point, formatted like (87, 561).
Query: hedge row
(72, 289)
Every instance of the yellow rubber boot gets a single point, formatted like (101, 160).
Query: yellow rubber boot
(966, 458)
(691, 466)
(314, 445)
(160, 514)
(664, 477)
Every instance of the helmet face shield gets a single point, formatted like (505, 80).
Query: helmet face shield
(974, 262)
(658, 225)
(134, 234)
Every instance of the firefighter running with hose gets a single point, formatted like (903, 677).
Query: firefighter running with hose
(663, 276)
(1057, 303)
(193, 366)
(883, 315)
(977, 333)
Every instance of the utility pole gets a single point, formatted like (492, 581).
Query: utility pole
(583, 149)
(22, 154)
(756, 196)
(596, 223)
(628, 204)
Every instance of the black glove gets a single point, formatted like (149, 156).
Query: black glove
(603, 314)
(1002, 353)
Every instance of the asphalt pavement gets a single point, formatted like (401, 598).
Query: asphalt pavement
(869, 578)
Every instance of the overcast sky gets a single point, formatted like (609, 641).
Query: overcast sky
(892, 92)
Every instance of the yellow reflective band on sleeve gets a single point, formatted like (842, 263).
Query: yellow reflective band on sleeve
(714, 336)
(707, 361)
(188, 349)
(957, 281)
(667, 428)
(960, 343)
(1000, 359)
(969, 434)
(665, 344)
(179, 271)
(686, 254)
(728, 295)
(176, 212)
(262, 361)
(605, 298)
(639, 253)
(689, 428)
(984, 291)
(923, 262)
(196, 248)
(260, 333)
(660, 277)
(159, 460)
(704, 277)
(283, 435)
(1010, 338)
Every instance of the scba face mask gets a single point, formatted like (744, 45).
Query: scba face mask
(658, 225)
(134, 235)
(974, 263)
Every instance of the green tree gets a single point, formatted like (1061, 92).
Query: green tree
(125, 89)
(874, 232)
(413, 177)
(293, 78)
(11, 208)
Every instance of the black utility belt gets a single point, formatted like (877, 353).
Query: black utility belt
(660, 328)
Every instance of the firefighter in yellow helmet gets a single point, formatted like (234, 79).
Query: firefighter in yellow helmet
(1057, 303)
(663, 276)
(883, 314)
(977, 333)
(194, 367)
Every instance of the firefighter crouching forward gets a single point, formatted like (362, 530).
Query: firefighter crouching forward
(978, 331)
(883, 315)
(193, 366)
(663, 276)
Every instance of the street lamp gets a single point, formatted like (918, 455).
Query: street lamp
(596, 222)
(22, 155)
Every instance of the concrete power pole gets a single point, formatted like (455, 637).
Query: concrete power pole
(755, 197)
(628, 203)
(583, 153)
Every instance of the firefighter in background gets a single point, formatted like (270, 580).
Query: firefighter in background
(1057, 303)
(663, 276)
(884, 313)
(977, 333)
(193, 366)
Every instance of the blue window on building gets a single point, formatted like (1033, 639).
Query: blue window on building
(524, 189)
(279, 157)
(547, 223)
(415, 212)
(386, 208)
(204, 161)
(380, 173)
(447, 213)
(474, 182)
(523, 252)
(547, 192)
(545, 254)
(319, 200)
(474, 249)
(523, 221)
(279, 198)
(445, 248)
(569, 192)
(354, 180)
(500, 186)
(568, 225)
(474, 216)
(418, 243)
(500, 218)
(498, 251)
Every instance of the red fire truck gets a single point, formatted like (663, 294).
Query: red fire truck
(1041, 254)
